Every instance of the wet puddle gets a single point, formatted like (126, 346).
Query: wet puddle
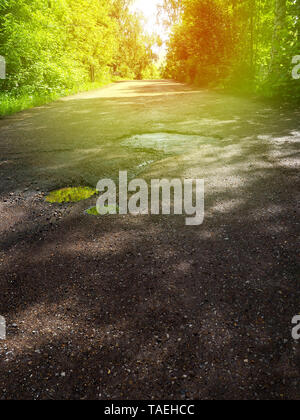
(167, 143)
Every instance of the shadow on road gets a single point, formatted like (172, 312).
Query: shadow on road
(145, 307)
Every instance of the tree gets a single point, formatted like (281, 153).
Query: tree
(54, 45)
(243, 44)
(278, 35)
(201, 43)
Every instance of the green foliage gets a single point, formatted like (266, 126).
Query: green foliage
(10, 104)
(54, 46)
(134, 56)
(92, 211)
(247, 45)
(200, 52)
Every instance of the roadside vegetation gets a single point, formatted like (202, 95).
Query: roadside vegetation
(244, 45)
(54, 48)
(12, 103)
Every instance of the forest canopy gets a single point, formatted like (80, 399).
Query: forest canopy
(242, 44)
(57, 45)
(53, 45)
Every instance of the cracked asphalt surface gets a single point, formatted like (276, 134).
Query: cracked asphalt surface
(143, 307)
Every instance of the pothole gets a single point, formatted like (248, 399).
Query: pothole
(70, 195)
(168, 143)
(92, 211)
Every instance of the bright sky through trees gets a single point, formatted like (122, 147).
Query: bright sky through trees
(52, 47)
(149, 9)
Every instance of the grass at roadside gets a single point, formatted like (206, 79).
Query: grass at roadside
(10, 104)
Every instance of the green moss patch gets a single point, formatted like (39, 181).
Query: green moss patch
(70, 195)
(94, 212)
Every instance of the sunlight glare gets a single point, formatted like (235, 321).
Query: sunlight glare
(149, 9)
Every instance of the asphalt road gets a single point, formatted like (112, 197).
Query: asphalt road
(144, 307)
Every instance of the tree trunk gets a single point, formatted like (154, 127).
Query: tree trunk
(279, 25)
(92, 73)
(252, 30)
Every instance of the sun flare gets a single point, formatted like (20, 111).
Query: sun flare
(149, 10)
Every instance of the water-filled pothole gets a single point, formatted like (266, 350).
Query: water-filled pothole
(70, 195)
(92, 211)
(168, 143)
